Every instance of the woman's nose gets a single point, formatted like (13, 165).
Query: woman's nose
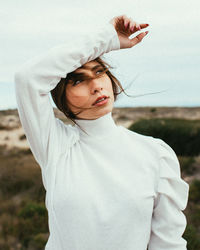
(96, 85)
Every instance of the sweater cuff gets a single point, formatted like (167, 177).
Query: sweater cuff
(115, 39)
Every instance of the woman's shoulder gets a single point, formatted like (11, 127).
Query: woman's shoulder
(147, 141)
(137, 136)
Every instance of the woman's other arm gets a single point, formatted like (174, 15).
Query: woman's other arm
(168, 220)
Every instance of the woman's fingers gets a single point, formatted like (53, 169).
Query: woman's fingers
(136, 26)
(144, 25)
(132, 25)
(126, 22)
(129, 23)
(138, 38)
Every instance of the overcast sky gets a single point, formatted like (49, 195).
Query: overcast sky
(168, 58)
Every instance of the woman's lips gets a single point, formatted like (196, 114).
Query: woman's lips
(99, 98)
(102, 102)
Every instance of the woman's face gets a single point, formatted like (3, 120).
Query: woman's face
(84, 93)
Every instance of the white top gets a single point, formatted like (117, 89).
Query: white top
(112, 189)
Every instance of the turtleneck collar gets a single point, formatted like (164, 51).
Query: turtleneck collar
(100, 127)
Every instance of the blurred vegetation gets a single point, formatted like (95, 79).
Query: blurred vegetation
(195, 191)
(184, 138)
(192, 236)
(192, 212)
(153, 110)
(182, 135)
(23, 215)
(188, 165)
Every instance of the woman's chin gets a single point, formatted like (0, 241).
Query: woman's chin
(95, 115)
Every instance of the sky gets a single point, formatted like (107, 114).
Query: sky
(166, 62)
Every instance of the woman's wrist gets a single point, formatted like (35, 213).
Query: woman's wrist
(116, 41)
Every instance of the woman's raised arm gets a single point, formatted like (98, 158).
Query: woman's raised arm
(48, 136)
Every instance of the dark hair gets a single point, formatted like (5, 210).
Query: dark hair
(59, 96)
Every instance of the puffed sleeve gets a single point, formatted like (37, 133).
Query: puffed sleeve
(47, 135)
(168, 220)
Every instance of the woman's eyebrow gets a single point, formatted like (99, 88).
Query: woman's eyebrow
(81, 74)
(93, 68)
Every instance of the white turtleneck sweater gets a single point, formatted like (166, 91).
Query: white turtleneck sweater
(110, 189)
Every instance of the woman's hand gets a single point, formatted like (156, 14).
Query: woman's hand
(125, 27)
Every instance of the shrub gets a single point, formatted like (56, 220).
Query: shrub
(187, 165)
(153, 110)
(20, 178)
(11, 184)
(38, 242)
(182, 135)
(194, 191)
(195, 216)
(31, 210)
(192, 238)
(33, 220)
(6, 225)
(22, 137)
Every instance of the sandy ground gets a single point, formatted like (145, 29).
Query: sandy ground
(11, 129)
(10, 138)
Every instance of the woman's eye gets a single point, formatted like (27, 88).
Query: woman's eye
(77, 82)
(99, 71)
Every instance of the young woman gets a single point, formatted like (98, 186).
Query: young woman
(107, 188)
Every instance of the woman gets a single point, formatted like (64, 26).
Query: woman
(107, 187)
